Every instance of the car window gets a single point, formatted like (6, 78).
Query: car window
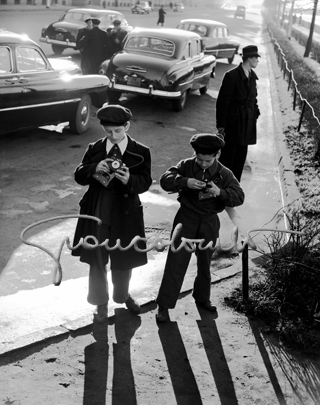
(219, 32)
(75, 17)
(5, 60)
(29, 60)
(149, 44)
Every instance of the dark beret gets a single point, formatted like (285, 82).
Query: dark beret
(207, 144)
(116, 22)
(113, 115)
(96, 21)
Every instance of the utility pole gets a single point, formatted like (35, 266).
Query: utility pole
(309, 42)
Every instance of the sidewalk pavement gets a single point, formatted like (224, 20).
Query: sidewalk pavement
(31, 315)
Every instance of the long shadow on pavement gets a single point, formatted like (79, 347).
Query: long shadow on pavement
(216, 357)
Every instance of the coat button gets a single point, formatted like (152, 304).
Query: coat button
(126, 196)
(126, 213)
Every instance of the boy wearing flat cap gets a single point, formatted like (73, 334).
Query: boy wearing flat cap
(117, 169)
(237, 111)
(205, 188)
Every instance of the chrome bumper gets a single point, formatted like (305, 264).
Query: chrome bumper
(67, 43)
(149, 92)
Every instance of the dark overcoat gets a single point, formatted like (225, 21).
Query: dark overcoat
(126, 219)
(237, 108)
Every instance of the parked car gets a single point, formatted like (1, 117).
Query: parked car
(178, 7)
(35, 94)
(137, 9)
(240, 12)
(159, 62)
(215, 37)
(62, 34)
(145, 6)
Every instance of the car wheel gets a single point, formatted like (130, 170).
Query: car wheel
(230, 60)
(57, 49)
(203, 90)
(179, 104)
(80, 122)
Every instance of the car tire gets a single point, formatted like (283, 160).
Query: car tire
(57, 49)
(81, 120)
(179, 104)
(230, 60)
(203, 90)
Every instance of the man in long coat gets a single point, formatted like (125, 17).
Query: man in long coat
(237, 111)
(117, 204)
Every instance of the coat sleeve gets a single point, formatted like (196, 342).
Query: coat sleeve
(86, 169)
(224, 99)
(231, 192)
(140, 179)
(174, 180)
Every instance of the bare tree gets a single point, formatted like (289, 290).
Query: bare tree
(309, 42)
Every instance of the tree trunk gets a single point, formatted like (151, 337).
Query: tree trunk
(309, 43)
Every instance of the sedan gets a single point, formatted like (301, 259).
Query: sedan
(62, 34)
(159, 62)
(215, 36)
(34, 93)
(138, 10)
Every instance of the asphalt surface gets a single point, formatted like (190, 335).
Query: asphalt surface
(31, 316)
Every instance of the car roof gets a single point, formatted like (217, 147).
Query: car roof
(14, 38)
(202, 21)
(164, 32)
(93, 11)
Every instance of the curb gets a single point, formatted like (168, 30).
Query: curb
(289, 189)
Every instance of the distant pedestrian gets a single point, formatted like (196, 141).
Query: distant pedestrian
(161, 16)
(237, 111)
(117, 36)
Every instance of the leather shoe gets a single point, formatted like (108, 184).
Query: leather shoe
(101, 313)
(162, 315)
(132, 305)
(207, 305)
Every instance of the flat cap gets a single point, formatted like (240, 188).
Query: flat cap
(116, 22)
(113, 115)
(207, 144)
(96, 21)
(249, 51)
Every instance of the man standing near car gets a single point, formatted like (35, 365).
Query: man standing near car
(99, 44)
(116, 36)
(83, 45)
(237, 111)
(161, 16)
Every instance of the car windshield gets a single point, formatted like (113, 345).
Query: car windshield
(148, 44)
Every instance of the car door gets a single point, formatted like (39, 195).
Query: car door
(226, 48)
(34, 93)
(197, 63)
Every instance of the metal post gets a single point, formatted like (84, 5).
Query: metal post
(301, 116)
(245, 273)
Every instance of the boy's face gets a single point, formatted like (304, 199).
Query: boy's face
(114, 133)
(205, 161)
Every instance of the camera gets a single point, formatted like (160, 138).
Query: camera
(206, 193)
(115, 164)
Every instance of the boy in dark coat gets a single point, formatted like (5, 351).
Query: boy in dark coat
(237, 111)
(205, 188)
(124, 165)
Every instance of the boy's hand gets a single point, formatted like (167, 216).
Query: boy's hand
(213, 189)
(123, 174)
(195, 184)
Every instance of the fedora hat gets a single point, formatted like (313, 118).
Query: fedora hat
(250, 50)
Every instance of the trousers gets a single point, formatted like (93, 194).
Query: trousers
(233, 157)
(194, 226)
(98, 289)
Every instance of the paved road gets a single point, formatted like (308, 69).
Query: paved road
(30, 315)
